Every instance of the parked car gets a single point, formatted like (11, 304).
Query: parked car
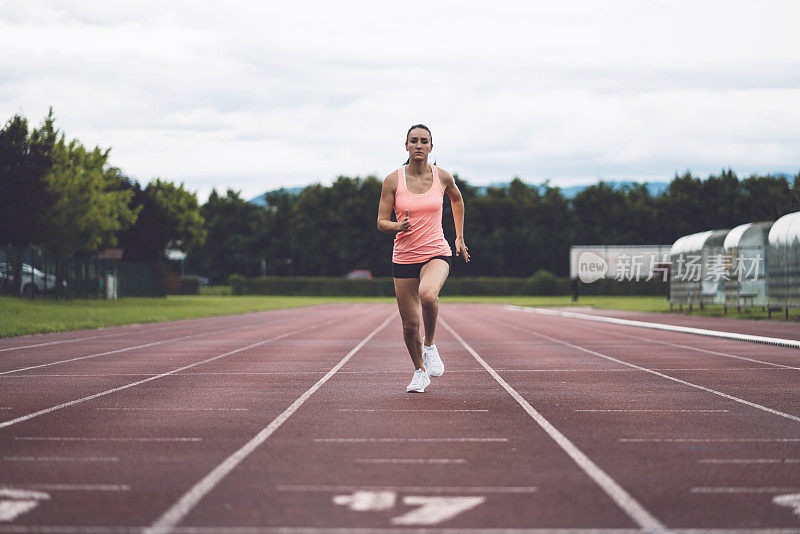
(365, 274)
(203, 279)
(32, 279)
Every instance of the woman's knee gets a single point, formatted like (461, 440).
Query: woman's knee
(428, 298)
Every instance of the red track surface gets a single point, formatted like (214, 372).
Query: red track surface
(237, 424)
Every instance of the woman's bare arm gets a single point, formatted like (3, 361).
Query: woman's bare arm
(386, 206)
(457, 203)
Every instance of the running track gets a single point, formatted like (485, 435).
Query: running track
(297, 421)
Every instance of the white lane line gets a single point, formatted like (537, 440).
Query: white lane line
(64, 529)
(254, 373)
(231, 329)
(411, 460)
(113, 375)
(403, 411)
(651, 371)
(16, 493)
(23, 418)
(707, 351)
(710, 440)
(120, 439)
(70, 529)
(659, 411)
(451, 371)
(106, 353)
(630, 370)
(75, 375)
(22, 347)
(743, 490)
(749, 461)
(409, 489)
(714, 369)
(191, 498)
(409, 440)
(467, 530)
(21, 529)
(635, 511)
(792, 343)
(61, 459)
(176, 409)
(80, 487)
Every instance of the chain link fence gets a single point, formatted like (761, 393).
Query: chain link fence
(29, 273)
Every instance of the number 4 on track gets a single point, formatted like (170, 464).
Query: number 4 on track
(15, 502)
(433, 510)
(791, 500)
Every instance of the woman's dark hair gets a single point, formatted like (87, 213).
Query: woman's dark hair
(424, 128)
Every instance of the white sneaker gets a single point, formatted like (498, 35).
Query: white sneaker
(419, 382)
(433, 363)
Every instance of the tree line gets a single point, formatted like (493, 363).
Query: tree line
(69, 201)
(514, 230)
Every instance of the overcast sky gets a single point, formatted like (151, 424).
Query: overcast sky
(255, 97)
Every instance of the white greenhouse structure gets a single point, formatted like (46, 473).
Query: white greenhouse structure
(783, 258)
(698, 269)
(746, 257)
(755, 264)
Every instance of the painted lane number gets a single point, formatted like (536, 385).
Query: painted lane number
(429, 511)
(15, 502)
(791, 500)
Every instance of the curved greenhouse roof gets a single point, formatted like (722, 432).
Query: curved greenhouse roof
(735, 235)
(739, 235)
(690, 243)
(786, 230)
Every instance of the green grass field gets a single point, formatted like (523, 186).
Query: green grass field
(20, 317)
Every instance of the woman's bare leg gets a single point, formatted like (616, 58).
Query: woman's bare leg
(431, 279)
(407, 292)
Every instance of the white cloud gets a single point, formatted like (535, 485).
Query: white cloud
(255, 97)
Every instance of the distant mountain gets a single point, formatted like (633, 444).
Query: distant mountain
(260, 200)
(655, 189)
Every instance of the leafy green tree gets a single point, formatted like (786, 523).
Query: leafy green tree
(88, 213)
(554, 229)
(232, 243)
(169, 218)
(600, 215)
(516, 230)
(795, 206)
(766, 198)
(25, 196)
(640, 221)
(333, 229)
(182, 213)
(683, 207)
(723, 204)
(275, 235)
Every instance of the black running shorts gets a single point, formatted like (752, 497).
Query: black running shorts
(412, 270)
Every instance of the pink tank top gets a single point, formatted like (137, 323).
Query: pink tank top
(426, 237)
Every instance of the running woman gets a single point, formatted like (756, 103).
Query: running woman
(421, 257)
